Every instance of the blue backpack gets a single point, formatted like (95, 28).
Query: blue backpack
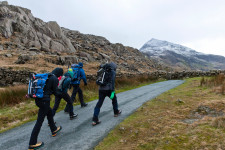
(36, 85)
(76, 72)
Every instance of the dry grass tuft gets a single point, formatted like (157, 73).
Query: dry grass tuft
(13, 95)
(217, 83)
(219, 122)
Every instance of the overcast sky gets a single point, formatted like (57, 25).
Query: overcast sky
(198, 24)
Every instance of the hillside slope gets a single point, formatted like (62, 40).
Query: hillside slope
(46, 42)
(181, 57)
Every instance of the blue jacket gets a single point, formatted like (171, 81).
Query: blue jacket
(82, 76)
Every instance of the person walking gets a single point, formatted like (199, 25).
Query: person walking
(45, 109)
(106, 89)
(76, 86)
(66, 79)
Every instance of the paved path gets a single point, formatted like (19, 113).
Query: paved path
(79, 134)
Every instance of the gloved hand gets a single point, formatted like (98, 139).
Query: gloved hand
(85, 84)
(112, 95)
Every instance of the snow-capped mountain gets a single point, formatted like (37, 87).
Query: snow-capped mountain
(181, 57)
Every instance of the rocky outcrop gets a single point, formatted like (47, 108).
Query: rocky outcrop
(24, 29)
(21, 31)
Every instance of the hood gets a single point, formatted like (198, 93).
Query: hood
(113, 66)
(80, 64)
(57, 72)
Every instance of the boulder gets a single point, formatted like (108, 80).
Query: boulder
(88, 56)
(105, 56)
(6, 28)
(179, 101)
(22, 59)
(53, 29)
(4, 3)
(34, 43)
(54, 45)
(68, 44)
(44, 41)
(1, 48)
(67, 60)
(34, 49)
(8, 55)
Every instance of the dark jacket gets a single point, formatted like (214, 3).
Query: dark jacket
(66, 82)
(52, 83)
(111, 83)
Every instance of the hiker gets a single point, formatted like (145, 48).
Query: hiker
(80, 74)
(107, 88)
(63, 88)
(45, 109)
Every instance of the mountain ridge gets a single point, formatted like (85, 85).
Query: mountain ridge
(181, 57)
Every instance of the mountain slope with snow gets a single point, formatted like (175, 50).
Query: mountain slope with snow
(181, 57)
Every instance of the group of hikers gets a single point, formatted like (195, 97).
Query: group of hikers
(42, 86)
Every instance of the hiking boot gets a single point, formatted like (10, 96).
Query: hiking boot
(56, 131)
(84, 105)
(36, 146)
(73, 116)
(95, 122)
(117, 114)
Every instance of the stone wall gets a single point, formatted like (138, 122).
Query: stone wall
(12, 77)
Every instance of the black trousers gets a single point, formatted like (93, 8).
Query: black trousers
(76, 88)
(44, 110)
(66, 97)
(102, 95)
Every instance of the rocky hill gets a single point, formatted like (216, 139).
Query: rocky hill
(29, 43)
(181, 57)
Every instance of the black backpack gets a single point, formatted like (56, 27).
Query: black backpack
(104, 75)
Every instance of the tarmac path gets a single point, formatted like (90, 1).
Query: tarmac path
(79, 134)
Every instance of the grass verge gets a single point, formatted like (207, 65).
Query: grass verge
(15, 110)
(187, 117)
